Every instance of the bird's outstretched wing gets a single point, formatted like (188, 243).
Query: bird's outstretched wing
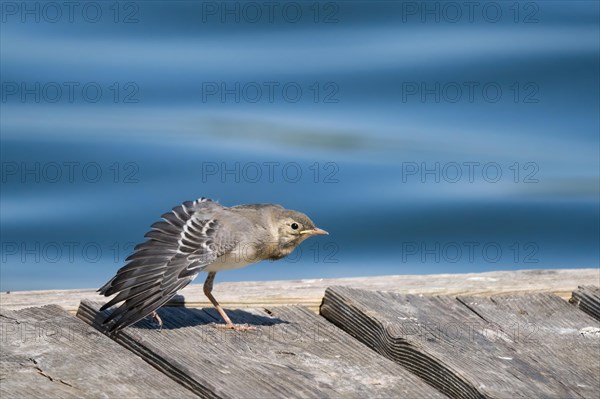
(177, 249)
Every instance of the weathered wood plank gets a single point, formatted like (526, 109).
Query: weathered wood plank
(48, 353)
(293, 354)
(556, 336)
(444, 342)
(587, 298)
(310, 293)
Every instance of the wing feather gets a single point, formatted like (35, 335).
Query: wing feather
(178, 248)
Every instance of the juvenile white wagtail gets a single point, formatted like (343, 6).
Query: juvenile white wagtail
(200, 236)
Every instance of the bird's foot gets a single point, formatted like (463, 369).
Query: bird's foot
(236, 327)
(157, 320)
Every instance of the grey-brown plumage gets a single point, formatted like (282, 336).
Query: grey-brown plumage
(200, 236)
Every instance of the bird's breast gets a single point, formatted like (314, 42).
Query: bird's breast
(239, 257)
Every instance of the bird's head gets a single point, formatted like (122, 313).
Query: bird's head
(292, 228)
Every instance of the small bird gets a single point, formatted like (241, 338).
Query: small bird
(200, 236)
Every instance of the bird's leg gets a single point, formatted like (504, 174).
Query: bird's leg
(157, 319)
(208, 286)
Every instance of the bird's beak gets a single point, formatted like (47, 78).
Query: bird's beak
(315, 232)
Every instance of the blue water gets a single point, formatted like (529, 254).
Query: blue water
(424, 143)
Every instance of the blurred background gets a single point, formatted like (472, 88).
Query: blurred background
(426, 137)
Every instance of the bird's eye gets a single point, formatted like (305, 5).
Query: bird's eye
(295, 226)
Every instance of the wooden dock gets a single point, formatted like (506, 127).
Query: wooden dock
(487, 335)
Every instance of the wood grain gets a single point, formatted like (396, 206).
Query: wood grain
(557, 337)
(447, 344)
(48, 353)
(310, 293)
(587, 298)
(293, 354)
